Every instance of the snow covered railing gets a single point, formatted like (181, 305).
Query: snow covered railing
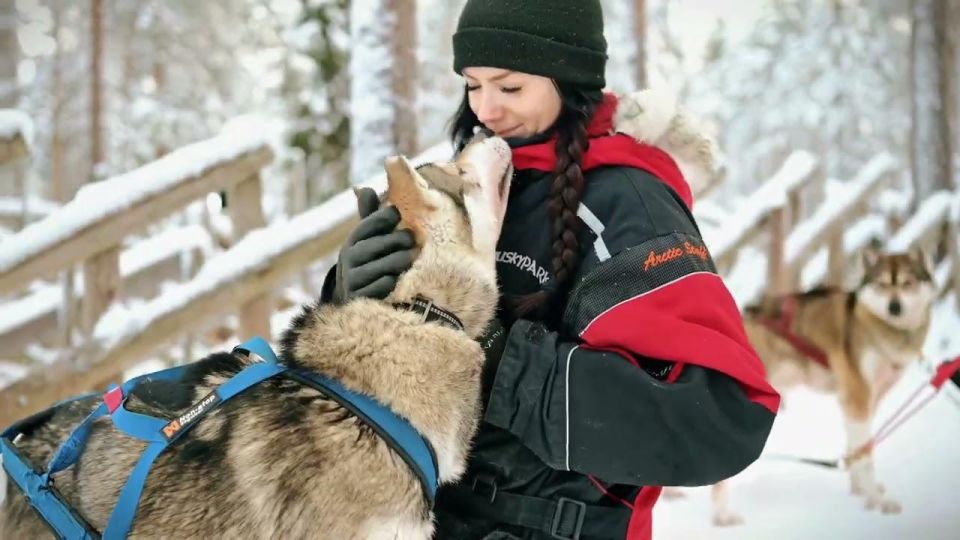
(826, 226)
(172, 255)
(15, 134)
(91, 228)
(230, 282)
(769, 202)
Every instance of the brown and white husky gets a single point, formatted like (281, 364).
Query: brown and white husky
(865, 339)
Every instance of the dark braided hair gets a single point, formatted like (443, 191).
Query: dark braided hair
(577, 107)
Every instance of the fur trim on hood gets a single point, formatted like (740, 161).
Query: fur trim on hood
(652, 116)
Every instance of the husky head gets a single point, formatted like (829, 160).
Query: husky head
(898, 288)
(455, 211)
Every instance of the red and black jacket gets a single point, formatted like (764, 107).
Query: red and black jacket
(644, 377)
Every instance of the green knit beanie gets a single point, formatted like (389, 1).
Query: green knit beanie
(559, 39)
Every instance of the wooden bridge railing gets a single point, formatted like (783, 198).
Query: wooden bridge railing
(89, 230)
(245, 274)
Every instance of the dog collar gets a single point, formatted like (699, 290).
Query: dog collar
(431, 312)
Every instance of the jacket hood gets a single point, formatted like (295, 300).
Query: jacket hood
(652, 116)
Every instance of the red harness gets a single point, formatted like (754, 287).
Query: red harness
(780, 326)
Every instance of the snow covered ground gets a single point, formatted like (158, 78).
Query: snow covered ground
(785, 500)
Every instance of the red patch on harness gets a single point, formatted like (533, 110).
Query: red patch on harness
(113, 398)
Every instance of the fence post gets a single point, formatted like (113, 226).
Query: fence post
(953, 250)
(101, 284)
(247, 214)
(778, 278)
(836, 259)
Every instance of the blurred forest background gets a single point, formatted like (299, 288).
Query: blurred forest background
(114, 84)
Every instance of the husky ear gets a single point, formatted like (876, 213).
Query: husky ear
(871, 254)
(923, 260)
(407, 191)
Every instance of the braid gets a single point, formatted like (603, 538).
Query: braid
(565, 193)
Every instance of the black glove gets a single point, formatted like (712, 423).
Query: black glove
(374, 253)
(493, 342)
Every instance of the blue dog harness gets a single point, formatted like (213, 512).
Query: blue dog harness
(159, 433)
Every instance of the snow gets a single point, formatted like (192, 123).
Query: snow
(99, 200)
(12, 207)
(786, 500)
(894, 202)
(14, 122)
(934, 210)
(855, 238)
(796, 170)
(371, 90)
(142, 255)
(836, 207)
(162, 245)
(16, 313)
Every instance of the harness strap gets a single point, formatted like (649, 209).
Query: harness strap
(562, 518)
(781, 327)
(62, 520)
(161, 433)
(416, 451)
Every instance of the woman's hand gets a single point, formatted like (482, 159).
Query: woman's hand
(374, 254)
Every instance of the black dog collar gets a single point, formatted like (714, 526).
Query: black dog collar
(430, 312)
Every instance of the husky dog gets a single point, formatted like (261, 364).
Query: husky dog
(865, 339)
(284, 461)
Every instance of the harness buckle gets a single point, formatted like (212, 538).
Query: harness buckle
(560, 523)
(426, 310)
(488, 481)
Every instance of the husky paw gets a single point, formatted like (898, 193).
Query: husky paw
(673, 493)
(727, 519)
(886, 505)
(858, 489)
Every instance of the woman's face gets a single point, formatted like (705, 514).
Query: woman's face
(510, 103)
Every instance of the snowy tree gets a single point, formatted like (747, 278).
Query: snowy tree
(9, 57)
(621, 45)
(97, 155)
(319, 107)
(440, 89)
(825, 77)
(382, 95)
(930, 140)
(952, 78)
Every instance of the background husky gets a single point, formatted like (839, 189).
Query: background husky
(282, 461)
(868, 336)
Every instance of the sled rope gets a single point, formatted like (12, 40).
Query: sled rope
(943, 373)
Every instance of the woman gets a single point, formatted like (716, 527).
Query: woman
(620, 362)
